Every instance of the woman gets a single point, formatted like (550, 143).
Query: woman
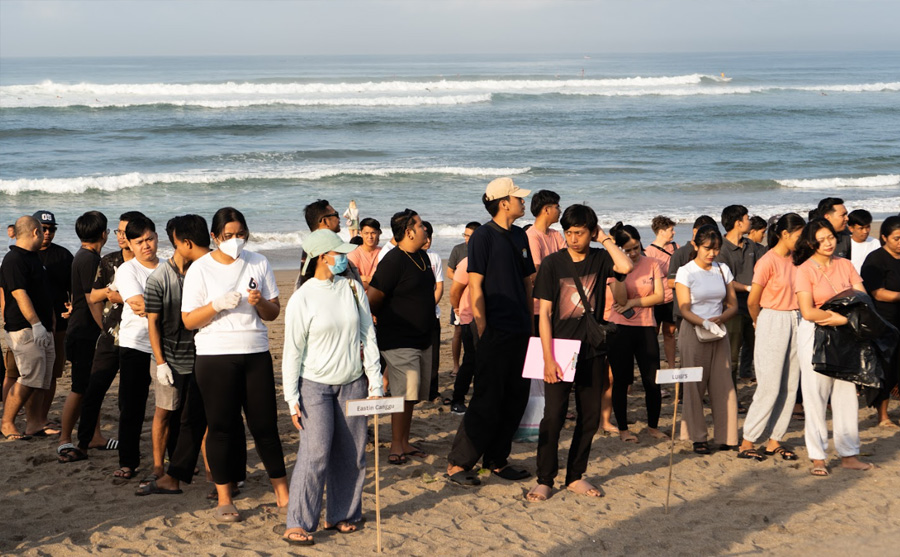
(325, 322)
(820, 276)
(881, 276)
(707, 300)
(352, 216)
(662, 249)
(228, 293)
(635, 337)
(776, 316)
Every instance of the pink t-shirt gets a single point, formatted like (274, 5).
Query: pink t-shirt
(824, 283)
(664, 256)
(638, 283)
(541, 246)
(461, 275)
(775, 275)
(365, 261)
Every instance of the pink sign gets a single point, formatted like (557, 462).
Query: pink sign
(565, 352)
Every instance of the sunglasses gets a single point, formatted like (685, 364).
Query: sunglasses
(50, 229)
(329, 215)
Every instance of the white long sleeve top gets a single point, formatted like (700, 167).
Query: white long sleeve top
(324, 327)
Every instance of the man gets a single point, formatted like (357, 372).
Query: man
(401, 295)
(437, 268)
(365, 257)
(457, 254)
(177, 395)
(57, 260)
(84, 326)
(11, 233)
(757, 234)
(106, 355)
(321, 215)
(501, 272)
(135, 351)
(859, 223)
(739, 254)
(28, 321)
(833, 210)
(563, 315)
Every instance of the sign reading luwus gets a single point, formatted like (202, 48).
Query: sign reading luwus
(679, 375)
(368, 407)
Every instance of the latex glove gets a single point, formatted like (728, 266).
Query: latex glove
(713, 328)
(42, 337)
(229, 300)
(164, 374)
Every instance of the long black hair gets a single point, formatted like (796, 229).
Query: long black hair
(789, 222)
(225, 215)
(807, 244)
(888, 227)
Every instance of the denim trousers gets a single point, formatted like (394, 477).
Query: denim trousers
(332, 455)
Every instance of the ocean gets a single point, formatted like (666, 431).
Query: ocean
(632, 135)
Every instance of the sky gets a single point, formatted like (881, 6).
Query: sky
(339, 27)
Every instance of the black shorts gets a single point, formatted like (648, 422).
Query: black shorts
(664, 313)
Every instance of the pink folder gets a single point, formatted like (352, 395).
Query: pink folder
(565, 351)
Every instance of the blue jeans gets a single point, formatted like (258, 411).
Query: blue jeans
(332, 453)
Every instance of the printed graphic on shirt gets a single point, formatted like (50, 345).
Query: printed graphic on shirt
(570, 306)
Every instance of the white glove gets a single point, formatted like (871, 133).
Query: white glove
(229, 300)
(164, 374)
(713, 328)
(42, 337)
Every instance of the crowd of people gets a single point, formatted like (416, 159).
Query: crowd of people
(364, 320)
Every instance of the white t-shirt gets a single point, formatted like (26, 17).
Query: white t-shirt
(232, 331)
(437, 267)
(131, 278)
(707, 287)
(385, 250)
(860, 250)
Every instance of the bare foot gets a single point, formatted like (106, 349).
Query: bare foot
(888, 423)
(343, 527)
(584, 487)
(538, 493)
(854, 463)
(627, 436)
(656, 434)
(454, 469)
(609, 428)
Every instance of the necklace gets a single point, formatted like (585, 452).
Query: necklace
(422, 268)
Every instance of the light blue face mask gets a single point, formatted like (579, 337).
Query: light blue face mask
(340, 264)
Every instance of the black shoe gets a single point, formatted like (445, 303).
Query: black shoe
(702, 448)
(458, 408)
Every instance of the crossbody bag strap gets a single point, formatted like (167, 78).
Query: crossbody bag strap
(661, 249)
(577, 280)
(822, 270)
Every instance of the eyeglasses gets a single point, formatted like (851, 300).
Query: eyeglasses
(120, 232)
(329, 215)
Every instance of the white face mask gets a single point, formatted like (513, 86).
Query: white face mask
(233, 247)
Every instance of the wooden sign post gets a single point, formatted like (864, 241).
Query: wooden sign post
(677, 376)
(375, 407)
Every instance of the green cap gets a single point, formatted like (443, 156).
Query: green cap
(323, 241)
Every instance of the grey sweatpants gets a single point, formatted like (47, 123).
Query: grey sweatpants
(714, 358)
(777, 375)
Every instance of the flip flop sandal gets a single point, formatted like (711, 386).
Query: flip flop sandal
(307, 538)
(17, 437)
(752, 454)
(151, 488)
(511, 474)
(70, 454)
(418, 453)
(397, 459)
(148, 479)
(786, 453)
(702, 448)
(123, 475)
(464, 478)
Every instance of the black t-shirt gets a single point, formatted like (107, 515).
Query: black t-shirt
(881, 270)
(57, 260)
(406, 318)
(504, 268)
(106, 272)
(555, 283)
(680, 258)
(84, 269)
(842, 249)
(22, 270)
(456, 255)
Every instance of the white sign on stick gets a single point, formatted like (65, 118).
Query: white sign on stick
(368, 407)
(679, 375)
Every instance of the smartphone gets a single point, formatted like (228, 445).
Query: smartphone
(628, 314)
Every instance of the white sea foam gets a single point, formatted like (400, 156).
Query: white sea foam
(380, 93)
(82, 184)
(881, 181)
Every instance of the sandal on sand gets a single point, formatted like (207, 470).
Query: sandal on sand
(123, 475)
(150, 488)
(342, 527)
(702, 448)
(148, 479)
(584, 487)
(511, 473)
(539, 493)
(887, 423)
(820, 471)
(753, 454)
(627, 436)
(786, 453)
(398, 459)
(298, 536)
(227, 513)
(416, 452)
(69, 453)
(464, 477)
(111, 445)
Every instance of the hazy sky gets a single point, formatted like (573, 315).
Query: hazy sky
(231, 27)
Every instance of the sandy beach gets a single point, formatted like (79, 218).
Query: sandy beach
(719, 505)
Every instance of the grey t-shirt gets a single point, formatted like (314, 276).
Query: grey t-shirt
(457, 254)
(162, 295)
(741, 260)
(680, 258)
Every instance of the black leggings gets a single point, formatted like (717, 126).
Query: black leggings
(228, 383)
(630, 344)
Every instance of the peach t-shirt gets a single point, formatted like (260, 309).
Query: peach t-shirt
(825, 283)
(541, 246)
(638, 283)
(775, 274)
(461, 275)
(664, 260)
(365, 261)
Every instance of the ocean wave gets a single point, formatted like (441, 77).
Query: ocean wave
(81, 184)
(444, 100)
(881, 181)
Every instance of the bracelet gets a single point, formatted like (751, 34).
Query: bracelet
(603, 241)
